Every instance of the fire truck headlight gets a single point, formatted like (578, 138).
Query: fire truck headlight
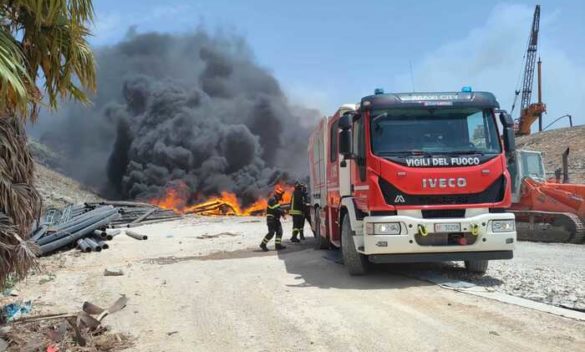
(390, 228)
(503, 225)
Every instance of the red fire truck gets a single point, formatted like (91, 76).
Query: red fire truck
(414, 177)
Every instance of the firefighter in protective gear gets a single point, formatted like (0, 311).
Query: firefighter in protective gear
(273, 214)
(298, 205)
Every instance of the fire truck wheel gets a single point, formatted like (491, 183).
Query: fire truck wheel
(356, 263)
(321, 241)
(476, 266)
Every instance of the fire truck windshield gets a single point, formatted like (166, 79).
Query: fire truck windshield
(434, 131)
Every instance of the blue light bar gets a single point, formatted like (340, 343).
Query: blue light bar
(466, 89)
(379, 91)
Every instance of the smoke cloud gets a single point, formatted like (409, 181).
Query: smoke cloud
(181, 109)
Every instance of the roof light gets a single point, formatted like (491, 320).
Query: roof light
(466, 89)
(379, 91)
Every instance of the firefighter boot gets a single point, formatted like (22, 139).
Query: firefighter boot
(301, 235)
(294, 236)
(263, 247)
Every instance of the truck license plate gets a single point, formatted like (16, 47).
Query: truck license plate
(451, 227)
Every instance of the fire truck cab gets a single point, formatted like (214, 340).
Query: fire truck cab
(414, 177)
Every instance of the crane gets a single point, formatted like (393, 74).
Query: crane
(530, 112)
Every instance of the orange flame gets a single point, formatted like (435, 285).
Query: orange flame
(226, 203)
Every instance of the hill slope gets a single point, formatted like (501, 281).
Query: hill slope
(58, 191)
(553, 144)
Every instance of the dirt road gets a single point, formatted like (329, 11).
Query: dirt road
(201, 285)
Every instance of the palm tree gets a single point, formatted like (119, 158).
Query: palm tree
(44, 57)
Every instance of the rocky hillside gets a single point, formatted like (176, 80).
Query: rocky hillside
(553, 144)
(58, 190)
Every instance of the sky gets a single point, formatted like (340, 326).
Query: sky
(327, 53)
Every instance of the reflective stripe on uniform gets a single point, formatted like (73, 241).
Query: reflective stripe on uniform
(295, 212)
(277, 205)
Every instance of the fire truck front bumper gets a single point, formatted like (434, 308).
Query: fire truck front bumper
(400, 238)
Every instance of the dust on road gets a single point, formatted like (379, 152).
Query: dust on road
(219, 293)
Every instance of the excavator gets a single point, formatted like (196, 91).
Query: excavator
(530, 112)
(547, 210)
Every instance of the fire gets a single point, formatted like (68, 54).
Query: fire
(226, 203)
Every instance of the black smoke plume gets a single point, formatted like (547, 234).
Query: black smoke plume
(192, 109)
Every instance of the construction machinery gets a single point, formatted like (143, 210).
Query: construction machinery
(530, 112)
(547, 210)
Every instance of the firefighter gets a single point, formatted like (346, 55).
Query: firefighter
(273, 214)
(298, 205)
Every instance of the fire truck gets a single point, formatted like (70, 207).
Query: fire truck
(414, 177)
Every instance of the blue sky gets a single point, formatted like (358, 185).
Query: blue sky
(326, 53)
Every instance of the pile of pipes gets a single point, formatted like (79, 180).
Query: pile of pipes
(75, 225)
(88, 226)
(134, 214)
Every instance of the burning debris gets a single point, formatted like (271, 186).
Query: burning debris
(227, 203)
(191, 110)
(88, 226)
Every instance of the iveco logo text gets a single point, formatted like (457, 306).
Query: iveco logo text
(459, 182)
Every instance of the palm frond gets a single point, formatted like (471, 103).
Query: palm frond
(15, 83)
(54, 45)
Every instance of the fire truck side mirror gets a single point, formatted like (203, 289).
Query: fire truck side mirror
(509, 140)
(345, 143)
(346, 121)
(506, 119)
(508, 133)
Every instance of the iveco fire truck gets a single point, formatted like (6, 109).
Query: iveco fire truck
(414, 177)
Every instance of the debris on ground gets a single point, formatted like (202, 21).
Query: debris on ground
(113, 272)
(136, 235)
(82, 331)
(88, 226)
(14, 311)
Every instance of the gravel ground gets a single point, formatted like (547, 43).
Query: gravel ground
(202, 284)
(551, 273)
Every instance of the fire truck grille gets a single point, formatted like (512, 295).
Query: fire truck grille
(493, 194)
(443, 213)
(446, 239)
